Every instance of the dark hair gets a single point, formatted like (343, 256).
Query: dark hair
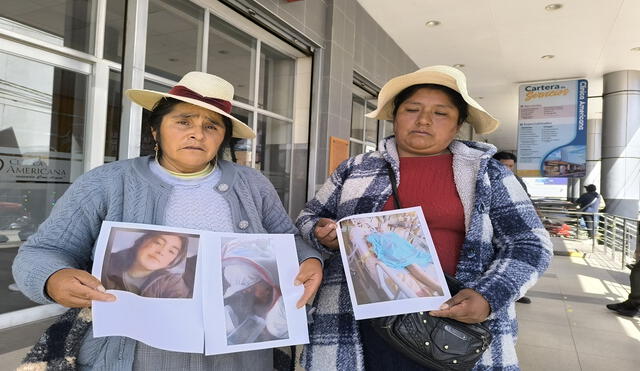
(504, 155)
(165, 106)
(456, 99)
(184, 241)
(591, 188)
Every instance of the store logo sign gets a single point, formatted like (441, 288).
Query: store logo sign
(15, 169)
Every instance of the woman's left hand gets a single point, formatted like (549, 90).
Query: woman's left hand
(310, 275)
(466, 306)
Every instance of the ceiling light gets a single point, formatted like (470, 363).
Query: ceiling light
(548, 56)
(636, 49)
(432, 23)
(458, 65)
(552, 7)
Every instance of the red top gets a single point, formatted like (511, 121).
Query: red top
(428, 182)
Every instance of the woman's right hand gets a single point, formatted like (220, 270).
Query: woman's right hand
(325, 232)
(75, 288)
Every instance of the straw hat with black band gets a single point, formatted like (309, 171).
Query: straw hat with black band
(481, 121)
(201, 89)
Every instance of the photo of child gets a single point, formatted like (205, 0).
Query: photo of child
(388, 258)
(150, 263)
(253, 303)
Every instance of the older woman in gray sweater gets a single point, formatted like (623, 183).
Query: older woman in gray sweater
(186, 184)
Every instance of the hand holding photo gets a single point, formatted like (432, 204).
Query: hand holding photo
(391, 263)
(174, 287)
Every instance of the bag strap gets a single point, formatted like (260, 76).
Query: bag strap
(394, 187)
(590, 203)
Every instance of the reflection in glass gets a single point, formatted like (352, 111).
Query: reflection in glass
(273, 154)
(355, 148)
(276, 81)
(357, 117)
(388, 128)
(42, 120)
(174, 31)
(242, 150)
(114, 111)
(67, 23)
(114, 30)
(232, 56)
(371, 126)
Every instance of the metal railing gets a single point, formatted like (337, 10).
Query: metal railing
(616, 235)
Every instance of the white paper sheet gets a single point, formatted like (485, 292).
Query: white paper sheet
(195, 322)
(231, 329)
(391, 263)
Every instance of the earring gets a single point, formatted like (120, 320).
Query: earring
(156, 148)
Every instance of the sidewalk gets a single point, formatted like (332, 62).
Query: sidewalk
(567, 327)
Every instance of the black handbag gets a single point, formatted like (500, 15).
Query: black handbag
(434, 342)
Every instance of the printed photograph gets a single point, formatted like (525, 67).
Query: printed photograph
(151, 263)
(253, 304)
(389, 259)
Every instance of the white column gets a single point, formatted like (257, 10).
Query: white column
(133, 76)
(621, 143)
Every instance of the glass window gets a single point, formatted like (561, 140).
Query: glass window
(273, 153)
(357, 117)
(355, 148)
(242, 148)
(276, 81)
(232, 57)
(114, 30)
(388, 128)
(114, 114)
(67, 23)
(371, 130)
(174, 34)
(42, 120)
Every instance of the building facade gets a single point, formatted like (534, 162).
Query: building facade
(303, 71)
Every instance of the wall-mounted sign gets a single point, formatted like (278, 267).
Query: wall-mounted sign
(25, 169)
(552, 129)
(338, 152)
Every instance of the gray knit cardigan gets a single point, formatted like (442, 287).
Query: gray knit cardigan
(128, 191)
(505, 250)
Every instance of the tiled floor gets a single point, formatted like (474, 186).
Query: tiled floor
(566, 327)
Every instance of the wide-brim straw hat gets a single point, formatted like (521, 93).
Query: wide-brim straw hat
(201, 89)
(481, 121)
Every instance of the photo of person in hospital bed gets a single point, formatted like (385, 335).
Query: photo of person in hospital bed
(389, 259)
(254, 307)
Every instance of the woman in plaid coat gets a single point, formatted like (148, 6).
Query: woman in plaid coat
(484, 226)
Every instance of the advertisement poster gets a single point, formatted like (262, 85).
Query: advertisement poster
(552, 129)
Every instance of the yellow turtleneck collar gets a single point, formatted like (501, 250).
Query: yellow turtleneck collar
(198, 174)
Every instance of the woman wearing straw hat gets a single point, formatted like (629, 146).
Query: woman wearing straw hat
(186, 184)
(484, 227)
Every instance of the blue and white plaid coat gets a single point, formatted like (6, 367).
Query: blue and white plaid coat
(505, 250)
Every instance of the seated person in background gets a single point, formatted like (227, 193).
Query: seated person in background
(143, 269)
